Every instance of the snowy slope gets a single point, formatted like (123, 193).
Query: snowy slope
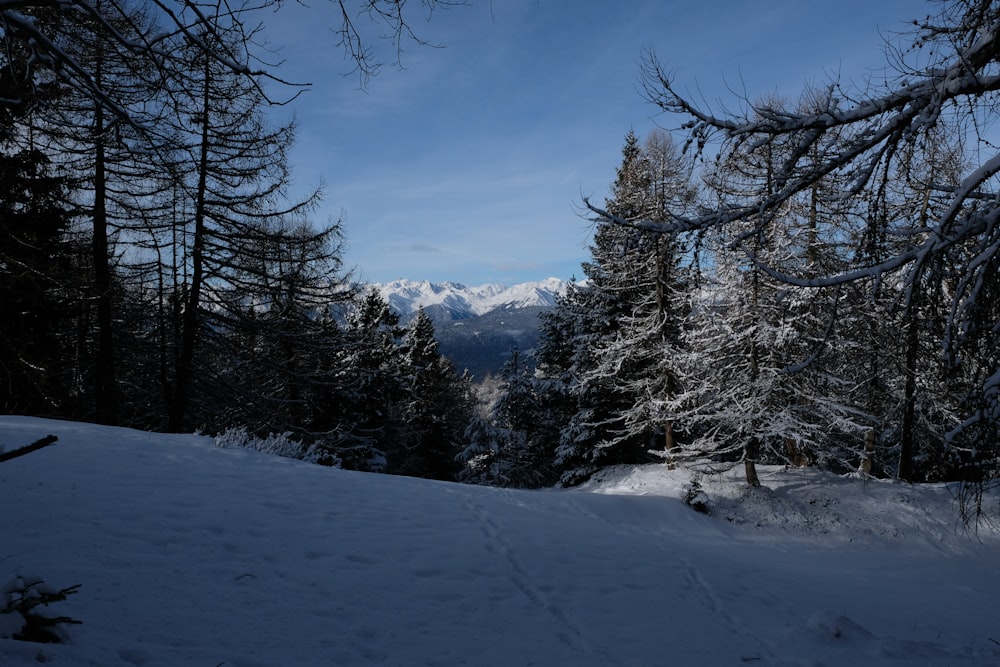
(406, 296)
(188, 554)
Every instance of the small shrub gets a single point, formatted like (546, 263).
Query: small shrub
(276, 444)
(696, 498)
(19, 615)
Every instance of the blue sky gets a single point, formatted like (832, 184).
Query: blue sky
(470, 163)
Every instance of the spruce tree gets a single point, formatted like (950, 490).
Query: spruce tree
(627, 317)
(435, 409)
(371, 385)
(36, 285)
(640, 358)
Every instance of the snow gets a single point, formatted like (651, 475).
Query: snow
(406, 296)
(191, 554)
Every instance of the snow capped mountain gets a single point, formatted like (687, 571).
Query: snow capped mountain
(462, 302)
(477, 327)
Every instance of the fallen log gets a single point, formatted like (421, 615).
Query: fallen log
(27, 449)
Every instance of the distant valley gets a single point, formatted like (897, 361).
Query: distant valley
(477, 326)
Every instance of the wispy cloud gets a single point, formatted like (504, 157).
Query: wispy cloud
(417, 247)
(470, 164)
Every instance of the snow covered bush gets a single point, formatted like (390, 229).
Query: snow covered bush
(276, 444)
(19, 618)
(696, 498)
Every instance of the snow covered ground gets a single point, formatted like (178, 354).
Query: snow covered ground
(188, 554)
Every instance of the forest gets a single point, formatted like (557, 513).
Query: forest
(808, 282)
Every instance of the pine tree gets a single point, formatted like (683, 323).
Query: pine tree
(627, 316)
(36, 285)
(371, 385)
(435, 411)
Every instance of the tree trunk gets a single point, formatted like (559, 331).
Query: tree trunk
(191, 322)
(105, 382)
(908, 427)
(907, 436)
(795, 457)
(669, 446)
(867, 460)
(750, 463)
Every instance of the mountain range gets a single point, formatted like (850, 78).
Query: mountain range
(477, 327)
(454, 301)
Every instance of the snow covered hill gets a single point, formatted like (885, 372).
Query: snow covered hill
(188, 554)
(461, 302)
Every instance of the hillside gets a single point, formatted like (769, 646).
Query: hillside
(187, 554)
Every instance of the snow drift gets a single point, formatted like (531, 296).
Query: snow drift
(188, 554)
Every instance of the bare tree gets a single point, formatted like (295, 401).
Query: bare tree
(101, 22)
(234, 185)
(385, 15)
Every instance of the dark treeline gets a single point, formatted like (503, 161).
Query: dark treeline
(807, 283)
(154, 272)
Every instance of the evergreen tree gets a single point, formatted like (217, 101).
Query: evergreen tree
(371, 385)
(480, 458)
(625, 319)
(435, 410)
(640, 358)
(526, 454)
(36, 286)
(589, 439)
(512, 446)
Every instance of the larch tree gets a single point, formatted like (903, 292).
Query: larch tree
(364, 28)
(122, 167)
(759, 382)
(118, 65)
(234, 185)
(281, 348)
